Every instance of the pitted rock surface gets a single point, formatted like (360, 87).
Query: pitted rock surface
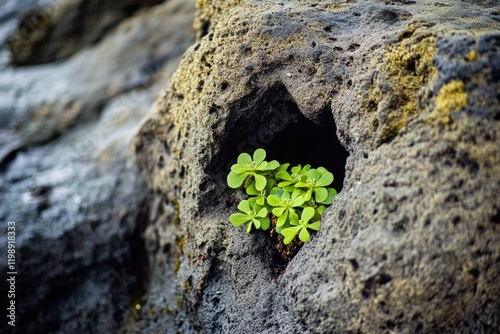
(409, 92)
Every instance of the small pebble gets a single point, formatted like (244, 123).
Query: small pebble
(289, 74)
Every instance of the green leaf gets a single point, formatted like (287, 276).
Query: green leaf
(260, 182)
(296, 169)
(314, 226)
(245, 206)
(276, 192)
(289, 188)
(244, 159)
(235, 180)
(298, 201)
(273, 165)
(262, 213)
(319, 211)
(282, 219)
(325, 180)
(264, 223)
(238, 219)
(308, 194)
(249, 227)
(273, 200)
(320, 194)
(283, 175)
(258, 156)
(240, 169)
(278, 211)
(307, 214)
(294, 219)
(280, 228)
(304, 235)
(251, 203)
(256, 222)
(313, 174)
(286, 185)
(262, 166)
(251, 190)
(285, 195)
(290, 233)
(302, 192)
(283, 167)
(331, 194)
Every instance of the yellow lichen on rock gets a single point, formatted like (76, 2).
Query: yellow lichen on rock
(471, 56)
(208, 14)
(451, 97)
(413, 59)
(409, 68)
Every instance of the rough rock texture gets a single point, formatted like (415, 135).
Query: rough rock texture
(67, 175)
(412, 242)
(47, 34)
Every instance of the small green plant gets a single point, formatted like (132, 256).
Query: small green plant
(290, 201)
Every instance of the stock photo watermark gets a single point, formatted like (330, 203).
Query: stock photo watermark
(11, 273)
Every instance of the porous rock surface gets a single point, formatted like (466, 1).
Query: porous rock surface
(49, 33)
(411, 243)
(67, 176)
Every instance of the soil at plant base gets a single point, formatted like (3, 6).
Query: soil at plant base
(283, 253)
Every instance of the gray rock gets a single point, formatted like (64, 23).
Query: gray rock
(51, 33)
(64, 93)
(411, 243)
(68, 178)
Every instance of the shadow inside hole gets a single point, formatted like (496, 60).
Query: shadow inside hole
(304, 142)
(301, 141)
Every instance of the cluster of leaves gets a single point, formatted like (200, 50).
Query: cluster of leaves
(293, 198)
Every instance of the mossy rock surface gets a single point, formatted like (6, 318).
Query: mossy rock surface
(409, 91)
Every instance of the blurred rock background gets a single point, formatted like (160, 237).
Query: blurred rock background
(76, 78)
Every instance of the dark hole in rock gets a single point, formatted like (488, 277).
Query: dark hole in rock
(474, 272)
(205, 28)
(495, 218)
(42, 194)
(285, 134)
(275, 123)
(354, 263)
(384, 279)
(387, 16)
(40, 191)
(304, 142)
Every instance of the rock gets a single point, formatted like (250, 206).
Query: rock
(47, 34)
(68, 178)
(411, 243)
(82, 85)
